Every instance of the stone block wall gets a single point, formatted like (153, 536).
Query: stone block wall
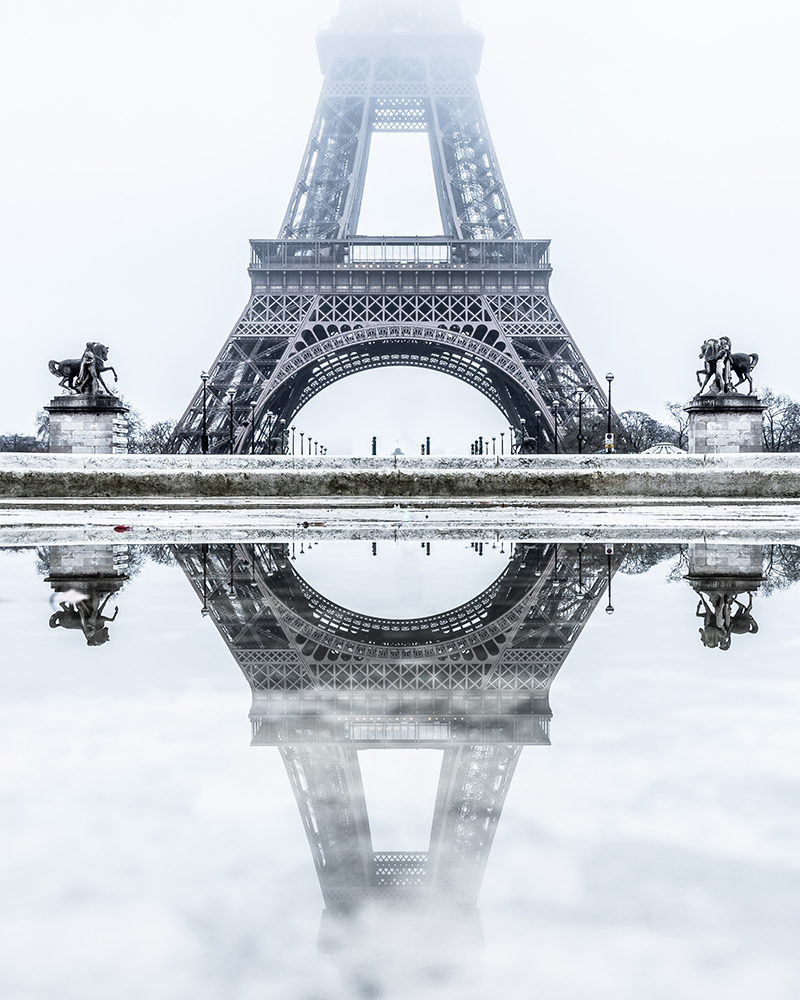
(88, 425)
(724, 433)
(725, 560)
(725, 425)
(69, 561)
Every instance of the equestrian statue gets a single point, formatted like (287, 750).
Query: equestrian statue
(84, 375)
(720, 364)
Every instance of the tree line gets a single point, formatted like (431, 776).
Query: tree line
(634, 430)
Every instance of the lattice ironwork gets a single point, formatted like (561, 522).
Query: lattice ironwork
(481, 701)
(326, 304)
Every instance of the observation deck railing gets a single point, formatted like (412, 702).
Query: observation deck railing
(400, 252)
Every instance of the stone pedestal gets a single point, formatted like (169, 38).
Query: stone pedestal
(725, 424)
(88, 425)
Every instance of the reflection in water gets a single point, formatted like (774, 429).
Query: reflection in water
(87, 577)
(473, 681)
(720, 574)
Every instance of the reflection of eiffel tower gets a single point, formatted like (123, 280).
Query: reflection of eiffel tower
(326, 303)
(326, 682)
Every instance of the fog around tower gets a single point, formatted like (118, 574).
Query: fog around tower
(145, 146)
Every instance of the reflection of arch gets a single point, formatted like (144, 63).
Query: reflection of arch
(321, 696)
(475, 354)
(472, 629)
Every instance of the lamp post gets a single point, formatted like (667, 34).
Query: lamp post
(301, 441)
(609, 435)
(555, 426)
(502, 433)
(204, 439)
(494, 450)
(231, 396)
(293, 430)
(581, 394)
(252, 428)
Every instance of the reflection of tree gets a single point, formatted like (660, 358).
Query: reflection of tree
(638, 559)
(781, 567)
(87, 615)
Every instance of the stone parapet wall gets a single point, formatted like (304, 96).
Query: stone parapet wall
(690, 477)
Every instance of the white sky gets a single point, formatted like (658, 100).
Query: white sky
(143, 145)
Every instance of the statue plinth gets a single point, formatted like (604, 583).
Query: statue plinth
(88, 425)
(725, 423)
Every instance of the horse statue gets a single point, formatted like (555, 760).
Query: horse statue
(85, 374)
(720, 361)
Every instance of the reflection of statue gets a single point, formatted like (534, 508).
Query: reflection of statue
(721, 622)
(719, 362)
(85, 375)
(87, 615)
(719, 574)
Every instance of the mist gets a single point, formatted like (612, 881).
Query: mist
(654, 144)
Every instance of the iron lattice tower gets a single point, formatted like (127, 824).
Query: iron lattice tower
(328, 682)
(326, 303)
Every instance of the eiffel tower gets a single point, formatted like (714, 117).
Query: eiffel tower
(327, 682)
(327, 303)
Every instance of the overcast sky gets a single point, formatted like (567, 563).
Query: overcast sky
(143, 145)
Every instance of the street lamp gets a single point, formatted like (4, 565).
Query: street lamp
(555, 426)
(204, 439)
(581, 394)
(230, 394)
(609, 435)
(252, 428)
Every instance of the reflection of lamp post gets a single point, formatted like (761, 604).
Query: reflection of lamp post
(252, 428)
(301, 442)
(538, 416)
(204, 550)
(204, 439)
(609, 554)
(580, 569)
(502, 434)
(293, 430)
(609, 435)
(555, 426)
(494, 450)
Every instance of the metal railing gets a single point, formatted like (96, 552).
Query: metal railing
(400, 252)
